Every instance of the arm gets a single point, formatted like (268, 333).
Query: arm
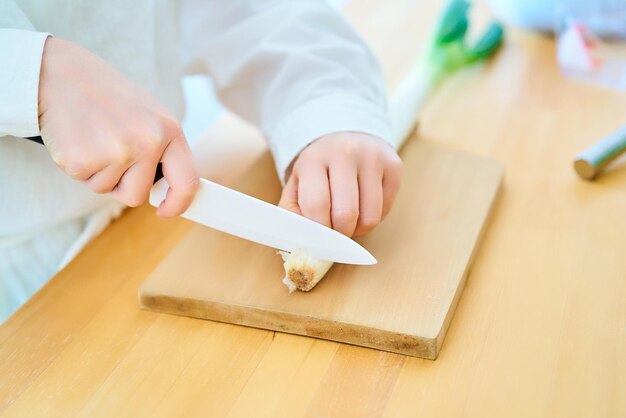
(297, 70)
(98, 126)
(20, 60)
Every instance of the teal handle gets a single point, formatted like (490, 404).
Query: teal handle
(592, 161)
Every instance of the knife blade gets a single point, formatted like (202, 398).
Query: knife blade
(244, 216)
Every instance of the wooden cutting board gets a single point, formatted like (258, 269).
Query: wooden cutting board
(403, 304)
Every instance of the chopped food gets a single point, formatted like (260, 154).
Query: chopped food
(303, 272)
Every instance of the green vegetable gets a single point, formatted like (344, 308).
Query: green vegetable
(450, 50)
(453, 23)
(488, 42)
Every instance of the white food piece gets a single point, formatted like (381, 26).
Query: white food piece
(303, 272)
(408, 101)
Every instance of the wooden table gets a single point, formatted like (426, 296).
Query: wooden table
(539, 332)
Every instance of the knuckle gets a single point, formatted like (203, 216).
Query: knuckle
(189, 184)
(192, 185)
(100, 188)
(395, 163)
(151, 145)
(372, 155)
(369, 222)
(122, 155)
(345, 216)
(59, 160)
(170, 126)
(349, 148)
(135, 199)
(315, 205)
(307, 158)
(301, 163)
(393, 175)
(290, 206)
(79, 168)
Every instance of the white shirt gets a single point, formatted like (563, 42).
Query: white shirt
(294, 68)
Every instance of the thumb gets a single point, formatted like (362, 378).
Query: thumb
(289, 197)
(179, 171)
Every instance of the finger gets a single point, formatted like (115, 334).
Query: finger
(391, 185)
(134, 186)
(181, 175)
(289, 197)
(370, 199)
(80, 167)
(105, 180)
(314, 193)
(344, 191)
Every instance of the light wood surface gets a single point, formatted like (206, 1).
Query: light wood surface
(403, 304)
(539, 332)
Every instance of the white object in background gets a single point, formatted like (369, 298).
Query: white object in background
(602, 15)
(529, 14)
(574, 49)
(202, 106)
(590, 34)
(583, 55)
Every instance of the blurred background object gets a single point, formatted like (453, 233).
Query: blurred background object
(591, 34)
(529, 14)
(591, 41)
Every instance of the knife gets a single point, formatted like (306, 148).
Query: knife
(238, 214)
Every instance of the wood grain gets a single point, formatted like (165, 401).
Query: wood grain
(403, 304)
(539, 332)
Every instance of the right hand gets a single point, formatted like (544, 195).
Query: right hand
(104, 130)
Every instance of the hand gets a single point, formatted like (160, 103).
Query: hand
(107, 132)
(347, 181)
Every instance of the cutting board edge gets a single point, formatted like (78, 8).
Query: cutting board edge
(394, 342)
(447, 320)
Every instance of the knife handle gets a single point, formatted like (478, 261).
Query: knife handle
(158, 175)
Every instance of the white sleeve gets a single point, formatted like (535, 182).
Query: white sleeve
(20, 61)
(293, 67)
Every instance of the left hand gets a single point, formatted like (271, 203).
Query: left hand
(347, 181)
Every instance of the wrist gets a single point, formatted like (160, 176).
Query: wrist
(48, 50)
(53, 62)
